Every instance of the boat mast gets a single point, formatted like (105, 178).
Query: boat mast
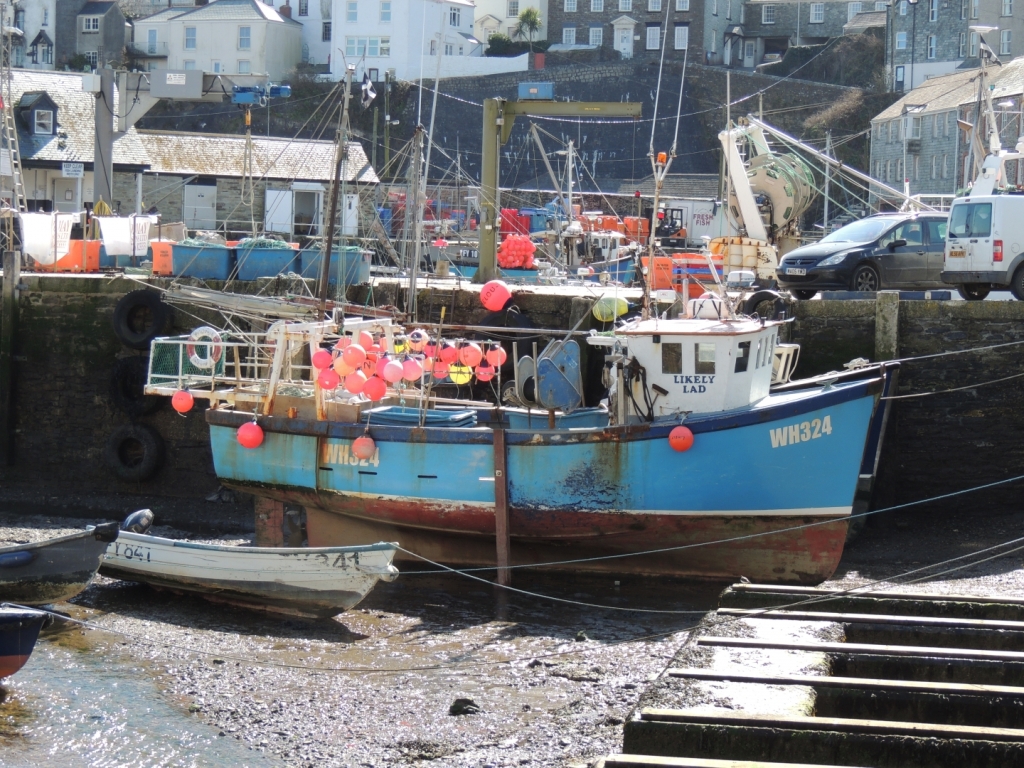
(417, 188)
(340, 153)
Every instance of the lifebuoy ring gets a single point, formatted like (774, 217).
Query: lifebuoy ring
(206, 338)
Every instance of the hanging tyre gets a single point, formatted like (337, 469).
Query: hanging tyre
(134, 452)
(764, 303)
(140, 317)
(127, 387)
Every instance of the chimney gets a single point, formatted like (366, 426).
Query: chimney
(286, 9)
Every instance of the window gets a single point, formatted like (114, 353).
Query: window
(682, 5)
(512, 11)
(903, 7)
(936, 126)
(325, 32)
(455, 17)
(215, 67)
(915, 127)
(970, 220)
(888, 170)
(569, 35)
(963, 44)
(899, 170)
(704, 358)
(963, 9)
(90, 23)
(303, 7)
(817, 13)
(46, 17)
(385, 11)
(433, 47)
(899, 76)
(92, 57)
(891, 131)
(974, 9)
(768, 14)
(151, 41)
(351, 11)
(654, 5)
(742, 356)
(190, 38)
(932, 44)
(901, 41)
(945, 159)
(950, 118)
(374, 46)
(596, 36)
(189, 64)
(596, 6)
(653, 37)
(625, 5)
(974, 44)
(1005, 40)
(47, 54)
(244, 68)
(570, 7)
(714, 7)
(244, 38)
(933, 10)
(881, 6)
(671, 357)
(682, 39)
(935, 166)
(917, 167)
(1007, 8)
(44, 121)
(852, 9)
(449, 49)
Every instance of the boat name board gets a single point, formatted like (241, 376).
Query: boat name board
(131, 552)
(341, 453)
(801, 433)
(694, 384)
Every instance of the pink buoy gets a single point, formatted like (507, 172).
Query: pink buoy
(322, 359)
(250, 435)
(355, 382)
(182, 401)
(369, 366)
(354, 355)
(484, 372)
(430, 350)
(440, 370)
(471, 355)
(343, 342)
(418, 340)
(449, 354)
(342, 368)
(375, 388)
(328, 379)
(365, 339)
(393, 371)
(680, 438)
(496, 356)
(494, 295)
(412, 369)
(363, 447)
(382, 362)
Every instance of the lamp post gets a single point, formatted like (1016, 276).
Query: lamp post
(913, 42)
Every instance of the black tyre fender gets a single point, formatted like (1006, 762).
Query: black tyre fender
(134, 452)
(127, 386)
(140, 317)
(752, 302)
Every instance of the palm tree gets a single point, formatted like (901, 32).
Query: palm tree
(529, 25)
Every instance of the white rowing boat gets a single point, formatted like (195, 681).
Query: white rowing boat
(313, 582)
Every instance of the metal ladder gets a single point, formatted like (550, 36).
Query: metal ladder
(10, 140)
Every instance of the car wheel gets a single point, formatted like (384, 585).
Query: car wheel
(1017, 284)
(865, 278)
(804, 295)
(973, 292)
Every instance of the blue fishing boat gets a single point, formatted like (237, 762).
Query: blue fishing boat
(19, 630)
(680, 472)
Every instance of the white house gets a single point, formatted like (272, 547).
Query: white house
(410, 37)
(315, 17)
(236, 37)
(503, 16)
(35, 49)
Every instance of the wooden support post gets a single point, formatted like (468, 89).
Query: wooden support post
(269, 522)
(501, 529)
(8, 333)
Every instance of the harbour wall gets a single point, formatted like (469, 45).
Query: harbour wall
(66, 351)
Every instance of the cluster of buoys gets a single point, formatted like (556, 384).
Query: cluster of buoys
(516, 252)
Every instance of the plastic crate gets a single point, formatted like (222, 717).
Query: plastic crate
(356, 267)
(207, 262)
(265, 262)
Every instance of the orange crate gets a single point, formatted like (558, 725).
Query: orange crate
(82, 256)
(162, 257)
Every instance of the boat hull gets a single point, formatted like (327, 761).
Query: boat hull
(53, 570)
(769, 485)
(19, 630)
(307, 582)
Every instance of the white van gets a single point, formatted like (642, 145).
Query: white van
(985, 246)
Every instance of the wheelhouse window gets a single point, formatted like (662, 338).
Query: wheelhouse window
(742, 356)
(671, 358)
(704, 358)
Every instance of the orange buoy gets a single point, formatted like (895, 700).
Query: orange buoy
(328, 379)
(680, 438)
(375, 388)
(182, 401)
(250, 435)
(322, 359)
(363, 447)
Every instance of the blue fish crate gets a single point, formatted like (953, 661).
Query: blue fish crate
(265, 262)
(207, 262)
(353, 263)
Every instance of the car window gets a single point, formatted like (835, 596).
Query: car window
(971, 220)
(911, 231)
(936, 231)
(888, 237)
(863, 231)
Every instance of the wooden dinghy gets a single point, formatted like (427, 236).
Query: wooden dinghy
(302, 581)
(19, 630)
(53, 570)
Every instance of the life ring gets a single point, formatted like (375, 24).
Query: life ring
(208, 338)
(134, 452)
(139, 317)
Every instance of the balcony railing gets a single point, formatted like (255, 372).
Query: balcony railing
(146, 49)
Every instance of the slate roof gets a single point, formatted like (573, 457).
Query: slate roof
(233, 10)
(273, 158)
(95, 8)
(75, 120)
(164, 15)
(946, 92)
(703, 186)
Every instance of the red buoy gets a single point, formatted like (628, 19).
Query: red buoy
(681, 439)
(363, 447)
(375, 388)
(484, 372)
(497, 356)
(182, 401)
(250, 435)
(322, 359)
(328, 379)
(494, 295)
